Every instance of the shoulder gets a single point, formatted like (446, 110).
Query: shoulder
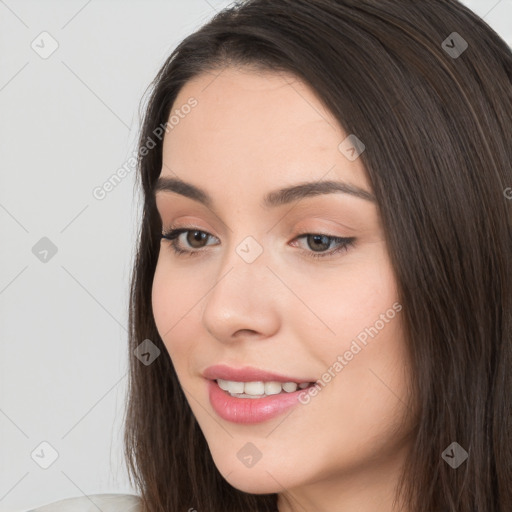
(91, 503)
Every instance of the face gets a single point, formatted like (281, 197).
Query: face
(303, 289)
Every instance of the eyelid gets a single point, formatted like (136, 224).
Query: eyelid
(296, 234)
(172, 234)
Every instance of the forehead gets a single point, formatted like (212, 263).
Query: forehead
(258, 127)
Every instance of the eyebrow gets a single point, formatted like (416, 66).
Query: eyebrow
(272, 199)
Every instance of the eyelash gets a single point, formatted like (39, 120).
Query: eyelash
(173, 234)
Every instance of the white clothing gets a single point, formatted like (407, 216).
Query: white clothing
(94, 503)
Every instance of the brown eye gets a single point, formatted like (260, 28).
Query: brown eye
(196, 238)
(318, 242)
(319, 245)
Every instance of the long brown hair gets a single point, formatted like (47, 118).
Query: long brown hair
(426, 85)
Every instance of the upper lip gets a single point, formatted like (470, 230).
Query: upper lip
(247, 374)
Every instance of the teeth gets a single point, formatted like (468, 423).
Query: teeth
(259, 388)
(290, 386)
(252, 388)
(273, 388)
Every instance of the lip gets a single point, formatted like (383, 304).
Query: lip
(250, 410)
(248, 374)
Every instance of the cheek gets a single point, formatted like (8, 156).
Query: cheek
(348, 301)
(360, 331)
(170, 303)
(373, 377)
(175, 298)
(160, 298)
(173, 293)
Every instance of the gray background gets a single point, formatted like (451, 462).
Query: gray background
(68, 122)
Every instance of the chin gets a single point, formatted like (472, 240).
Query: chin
(260, 483)
(264, 477)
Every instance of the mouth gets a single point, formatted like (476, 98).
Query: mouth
(252, 405)
(260, 389)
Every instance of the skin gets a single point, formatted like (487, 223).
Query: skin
(251, 133)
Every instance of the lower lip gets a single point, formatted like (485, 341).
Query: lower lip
(250, 410)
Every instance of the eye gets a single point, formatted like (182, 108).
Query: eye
(195, 238)
(319, 241)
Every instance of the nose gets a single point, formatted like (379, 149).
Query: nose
(244, 300)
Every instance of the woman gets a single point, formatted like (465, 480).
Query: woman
(321, 300)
